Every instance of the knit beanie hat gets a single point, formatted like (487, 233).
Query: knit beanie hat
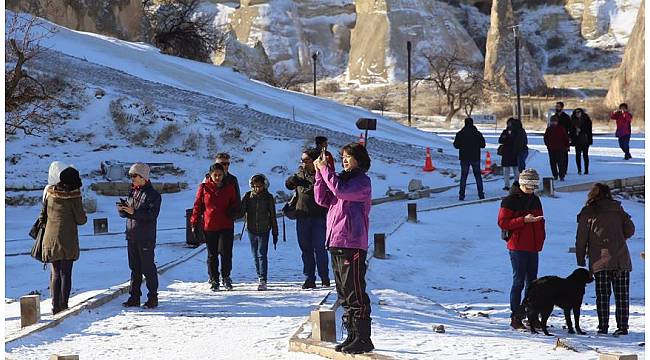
(140, 169)
(70, 179)
(529, 177)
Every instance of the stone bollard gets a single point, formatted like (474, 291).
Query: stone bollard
(323, 325)
(64, 357)
(412, 212)
(30, 310)
(380, 246)
(604, 356)
(100, 226)
(643, 255)
(549, 187)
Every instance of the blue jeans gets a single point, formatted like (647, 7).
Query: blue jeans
(624, 143)
(260, 249)
(311, 238)
(524, 270)
(464, 172)
(521, 160)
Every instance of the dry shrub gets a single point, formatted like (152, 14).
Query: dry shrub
(167, 132)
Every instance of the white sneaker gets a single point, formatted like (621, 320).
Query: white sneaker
(262, 285)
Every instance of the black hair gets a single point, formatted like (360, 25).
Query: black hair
(623, 105)
(217, 167)
(560, 103)
(359, 153)
(554, 118)
(320, 140)
(70, 179)
(258, 179)
(313, 153)
(469, 121)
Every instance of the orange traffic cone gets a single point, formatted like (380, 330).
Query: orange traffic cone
(488, 164)
(428, 164)
(362, 140)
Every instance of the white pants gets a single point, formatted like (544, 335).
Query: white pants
(506, 175)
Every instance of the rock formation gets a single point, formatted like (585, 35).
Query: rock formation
(628, 84)
(500, 54)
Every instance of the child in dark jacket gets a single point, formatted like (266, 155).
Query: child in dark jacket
(557, 142)
(258, 207)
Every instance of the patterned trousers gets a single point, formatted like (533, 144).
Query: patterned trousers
(619, 281)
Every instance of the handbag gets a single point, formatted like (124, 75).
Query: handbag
(198, 234)
(505, 234)
(500, 150)
(289, 209)
(37, 232)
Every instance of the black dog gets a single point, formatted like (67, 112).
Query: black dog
(548, 291)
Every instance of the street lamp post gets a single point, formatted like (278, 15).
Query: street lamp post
(516, 32)
(408, 67)
(314, 57)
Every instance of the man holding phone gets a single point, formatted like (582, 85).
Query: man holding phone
(141, 210)
(522, 218)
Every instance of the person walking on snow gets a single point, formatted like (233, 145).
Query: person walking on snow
(62, 214)
(603, 230)
(258, 210)
(217, 201)
(522, 220)
(310, 222)
(557, 142)
(581, 137)
(141, 212)
(469, 142)
(348, 198)
(513, 145)
(623, 128)
(564, 120)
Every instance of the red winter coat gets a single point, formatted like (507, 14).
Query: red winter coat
(219, 206)
(623, 123)
(556, 138)
(523, 236)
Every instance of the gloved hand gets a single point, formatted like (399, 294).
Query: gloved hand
(275, 241)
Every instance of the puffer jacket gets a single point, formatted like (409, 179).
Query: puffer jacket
(604, 225)
(218, 205)
(259, 211)
(141, 226)
(523, 236)
(303, 183)
(348, 198)
(64, 213)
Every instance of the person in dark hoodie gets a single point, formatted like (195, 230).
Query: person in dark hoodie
(217, 201)
(564, 120)
(258, 208)
(603, 230)
(310, 222)
(557, 142)
(63, 212)
(581, 137)
(469, 142)
(521, 220)
(141, 211)
(514, 149)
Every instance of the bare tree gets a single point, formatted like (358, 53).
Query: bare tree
(460, 81)
(283, 78)
(382, 101)
(29, 99)
(178, 29)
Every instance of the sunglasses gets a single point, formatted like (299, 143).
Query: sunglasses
(306, 161)
(133, 176)
(224, 163)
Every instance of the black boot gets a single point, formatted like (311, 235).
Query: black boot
(361, 343)
(132, 302)
(151, 303)
(347, 323)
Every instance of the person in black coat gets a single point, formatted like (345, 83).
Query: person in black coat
(513, 148)
(469, 142)
(581, 137)
(141, 211)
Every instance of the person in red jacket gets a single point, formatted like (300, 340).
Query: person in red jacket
(217, 202)
(623, 128)
(557, 142)
(521, 218)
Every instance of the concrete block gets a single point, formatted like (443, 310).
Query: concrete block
(548, 186)
(100, 226)
(380, 246)
(412, 212)
(30, 310)
(90, 205)
(604, 356)
(643, 255)
(64, 357)
(323, 325)
(415, 184)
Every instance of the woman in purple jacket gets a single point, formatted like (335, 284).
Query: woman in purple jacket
(348, 198)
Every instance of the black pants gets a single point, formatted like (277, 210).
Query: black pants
(619, 281)
(350, 276)
(584, 151)
(219, 243)
(61, 283)
(558, 161)
(141, 262)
